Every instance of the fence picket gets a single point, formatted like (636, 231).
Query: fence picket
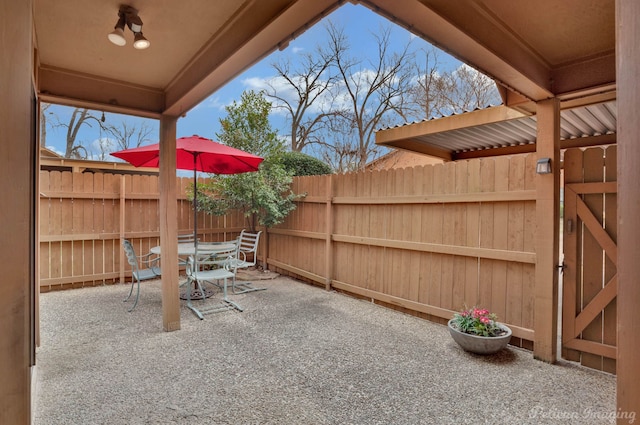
(609, 323)
(592, 254)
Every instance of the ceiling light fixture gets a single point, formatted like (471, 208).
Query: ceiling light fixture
(140, 42)
(129, 16)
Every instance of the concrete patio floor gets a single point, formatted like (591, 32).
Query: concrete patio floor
(297, 355)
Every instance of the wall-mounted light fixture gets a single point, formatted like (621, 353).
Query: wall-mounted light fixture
(543, 166)
(129, 16)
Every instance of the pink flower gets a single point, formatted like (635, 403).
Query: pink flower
(485, 320)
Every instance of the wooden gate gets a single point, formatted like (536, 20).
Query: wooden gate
(590, 283)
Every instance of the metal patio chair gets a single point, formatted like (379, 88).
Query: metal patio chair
(247, 257)
(143, 267)
(216, 263)
(185, 238)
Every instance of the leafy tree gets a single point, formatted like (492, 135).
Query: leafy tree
(265, 196)
(305, 165)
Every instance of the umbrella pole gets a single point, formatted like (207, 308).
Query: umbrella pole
(195, 203)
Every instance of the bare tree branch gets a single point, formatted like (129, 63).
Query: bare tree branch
(129, 136)
(370, 95)
(309, 83)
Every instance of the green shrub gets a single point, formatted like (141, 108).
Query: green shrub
(302, 164)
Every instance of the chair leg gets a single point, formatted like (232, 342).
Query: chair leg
(133, 282)
(244, 287)
(226, 299)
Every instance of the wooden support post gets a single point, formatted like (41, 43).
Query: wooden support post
(328, 258)
(169, 225)
(17, 232)
(123, 200)
(547, 233)
(628, 67)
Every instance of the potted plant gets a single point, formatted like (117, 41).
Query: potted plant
(477, 330)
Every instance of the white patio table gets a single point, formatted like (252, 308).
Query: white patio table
(187, 249)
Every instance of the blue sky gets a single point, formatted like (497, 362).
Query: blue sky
(204, 120)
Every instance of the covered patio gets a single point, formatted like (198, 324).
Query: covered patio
(297, 355)
(545, 57)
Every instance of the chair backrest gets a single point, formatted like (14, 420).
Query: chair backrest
(132, 259)
(248, 245)
(186, 238)
(142, 267)
(217, 257)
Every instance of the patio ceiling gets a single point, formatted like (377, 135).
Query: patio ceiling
(500, 131)
(534, 50)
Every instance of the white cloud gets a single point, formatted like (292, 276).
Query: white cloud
(100, 148)
(55, 149)
(213, 102)
(297, 50)
(256, 83)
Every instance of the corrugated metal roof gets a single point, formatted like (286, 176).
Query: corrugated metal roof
(585, 121)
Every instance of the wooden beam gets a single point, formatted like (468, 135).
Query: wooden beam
(599, 234)
(506, 59)
(516, 101)
(246, 41)
(506, 150)
(422, 147)
(596, 187)
(547, 233)
(97, 106)
(595, 306)
(169, 225)
(584, 142)
(628, 69)
(594, 348)
(413, 145)
(480, 117)
(77, 89)
(504, 196)
(463, 251)
(596, 74)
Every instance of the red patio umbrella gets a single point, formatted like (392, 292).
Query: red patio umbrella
(198, 154)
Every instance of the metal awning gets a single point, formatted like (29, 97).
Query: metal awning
(499, 130)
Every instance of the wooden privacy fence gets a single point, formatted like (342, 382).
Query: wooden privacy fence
(84, 216)
(428, 239)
